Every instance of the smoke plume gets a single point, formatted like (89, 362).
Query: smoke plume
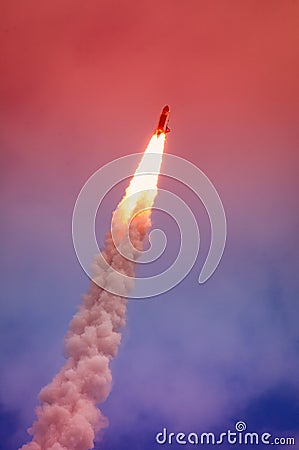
(68, 417)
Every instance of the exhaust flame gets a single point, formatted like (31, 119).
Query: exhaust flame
(143, 180)
(68, 418)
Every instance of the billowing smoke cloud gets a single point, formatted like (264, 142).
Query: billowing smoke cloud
(68, 417)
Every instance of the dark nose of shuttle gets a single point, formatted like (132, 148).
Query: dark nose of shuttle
(166, 109)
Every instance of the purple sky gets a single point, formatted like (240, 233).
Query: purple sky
(83, 83)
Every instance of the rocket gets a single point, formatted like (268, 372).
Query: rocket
(163, 121)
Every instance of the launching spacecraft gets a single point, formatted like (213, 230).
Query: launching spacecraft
(68, 416)
(163, 121)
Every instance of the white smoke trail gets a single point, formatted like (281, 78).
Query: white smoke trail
(68, 418)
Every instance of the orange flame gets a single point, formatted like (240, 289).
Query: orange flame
(143, 185)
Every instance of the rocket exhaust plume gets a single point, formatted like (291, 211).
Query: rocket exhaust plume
(68, 417)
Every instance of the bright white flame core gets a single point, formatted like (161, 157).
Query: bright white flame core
(145, 179)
